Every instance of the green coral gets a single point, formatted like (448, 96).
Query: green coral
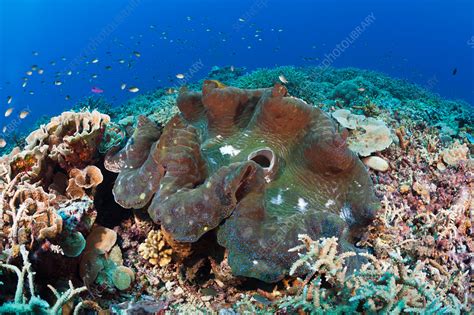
(373, 289)
(32, 303)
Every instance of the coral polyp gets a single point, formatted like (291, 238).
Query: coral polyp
(259, 165)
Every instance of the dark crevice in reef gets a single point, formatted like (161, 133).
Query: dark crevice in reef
(109, 213)
(197, 267)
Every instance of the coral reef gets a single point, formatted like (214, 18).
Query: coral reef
(199, 157)
(34, 304)
(248, 171)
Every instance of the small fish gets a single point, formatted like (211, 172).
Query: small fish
(137, 54)
(35, 53)
(4, 129)
(9, 99)
(29, 72)
(32, 92)
(170, 91)
(361, 89)
(24, 84)
(3, 143)
(152, 26)
(34, 67)
(96, 60)
(283, 79)
(121, 61)
(24, 114)
(97, 90)
(241, 20)
(40, 71)
(133, 89)
(58, 83)
(69, 72)
(53, 63)
(455, 70)
(232, 68)
(123, 86)
(94, 76)
(180, 76)
(8, 112)
(67, 97)
(63, 58)
(108, 68)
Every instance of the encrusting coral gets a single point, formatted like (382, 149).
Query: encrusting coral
(266, 165)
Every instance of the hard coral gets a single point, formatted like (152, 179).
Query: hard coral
(73, 138)
(260, 164)
(80, 180)
(153, 249)
(370, 135)
(455, 154)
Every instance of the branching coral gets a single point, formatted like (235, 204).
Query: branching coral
(269, 164)
(33, 304)
(153, 249)
(380, 286)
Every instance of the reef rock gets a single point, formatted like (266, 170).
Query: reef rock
(259, 165)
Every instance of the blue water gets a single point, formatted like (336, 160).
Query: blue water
(422, 41)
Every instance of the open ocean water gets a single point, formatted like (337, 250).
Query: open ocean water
(422, 41)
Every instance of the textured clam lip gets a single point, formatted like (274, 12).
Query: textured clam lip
(267, 159)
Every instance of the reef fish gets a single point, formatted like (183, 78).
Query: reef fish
(24, 114)
(283, 79)
(97, 90)
(8, 112)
